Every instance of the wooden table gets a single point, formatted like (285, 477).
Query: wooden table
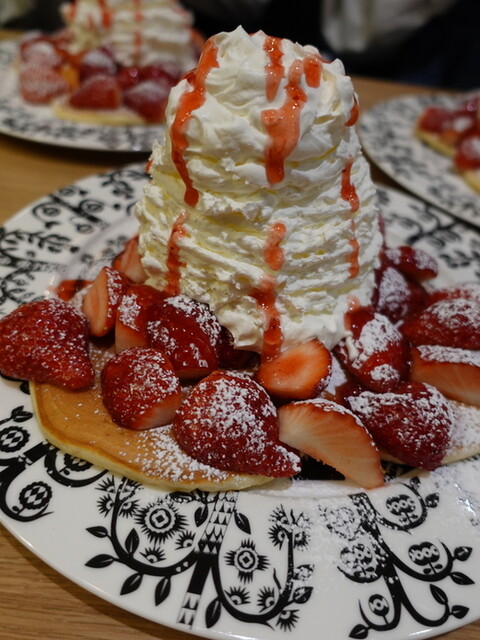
(36, 601)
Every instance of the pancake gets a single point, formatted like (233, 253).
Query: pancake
(120, 117)
(78, 424)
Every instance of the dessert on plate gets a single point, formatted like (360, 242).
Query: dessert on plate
(258, 321)
(113, 63)
(455, 132)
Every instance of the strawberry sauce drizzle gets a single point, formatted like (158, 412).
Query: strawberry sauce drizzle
(272, 252)
(353, 114)
(274, 68)
(138, 36)
(188, 102)
(106, 14)
(349, 194)
(265, 297)
(173, 261)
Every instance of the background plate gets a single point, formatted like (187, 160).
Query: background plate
(282, 561)
(386, 133)
(38, 124)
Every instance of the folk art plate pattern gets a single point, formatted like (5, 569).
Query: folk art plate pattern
(37, 123)
(386, 133)
(282, 561)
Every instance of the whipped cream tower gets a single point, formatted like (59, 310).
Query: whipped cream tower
(139, 32)
(260, 202)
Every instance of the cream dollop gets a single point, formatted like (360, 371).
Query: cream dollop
(260, 202)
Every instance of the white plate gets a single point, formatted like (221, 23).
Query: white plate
(283, 562)
(37, 123)
(386, 132)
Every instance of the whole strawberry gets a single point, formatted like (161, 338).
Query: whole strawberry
(46, 341)
(413, 423)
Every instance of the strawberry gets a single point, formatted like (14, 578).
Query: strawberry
(298, 373)
(449, 322)
(132, 315)
(140, 389)
(229, 422)
(332, 434)
(40, 85)
(413, 424)
(229, 357)
(454, 372)
(189, 334)
(470, 291)
(414, 263)
(376, 353)
(467, 154)
(97, 92)
(41, 53)
(46, 341)
(102, 299)
(96, 62)
(68, 289)
(128, 77)
(129, 263)
(148, 99)
(396, 296)
(163, 74)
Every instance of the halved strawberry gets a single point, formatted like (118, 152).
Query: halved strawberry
(140, 389)
(148, 99)
(229, 357)
(396, 296)
(413, 424)
(229, 422)
(298, 373)
(414, 263)
(41, 53)
(449, 322)
(133, 314)
(129, 263)
(467, 154)
(96, 62)
(40, 85)
(102, 299)
(97, 92)
(332, 434)
(128, 77)
(376, 352)
(469, 290)
(454, 372)
(46, 341)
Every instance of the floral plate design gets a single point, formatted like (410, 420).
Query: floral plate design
(37, 123)
(386, 133)
(280, 561)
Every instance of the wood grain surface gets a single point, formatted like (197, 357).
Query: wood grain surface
(35, 600)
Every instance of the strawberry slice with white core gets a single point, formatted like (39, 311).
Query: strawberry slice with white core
(140, 389)
(102, 299)
(229, 422)
(454, 372)
(332, 434)
(133, 313)
(129, 263)
(298, 373)
(449, 322)
(412, 424)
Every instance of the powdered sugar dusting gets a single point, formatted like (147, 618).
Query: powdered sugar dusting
(438, 353)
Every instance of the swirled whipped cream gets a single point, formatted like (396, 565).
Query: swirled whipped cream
(139, 32)
(260, 202)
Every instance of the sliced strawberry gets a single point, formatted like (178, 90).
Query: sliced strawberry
(449, 322)
(129, 263)
(163, 74)
(414, 263)
(97, 92)
(229, 422)
(46, 341)
(413, 424)
(396, 296)
(300, 372)
(470, 291)
(189, 333)
(140, 389)
(467, 154)
(41, 53)
(96, 62)
(376, 352)
(133, 314)
(332, 434)
(68, 289)
(40, 85)
(229, 357)
(128, 77)
(434, 119)
(102, 299)
(148, 99)
(454, 372)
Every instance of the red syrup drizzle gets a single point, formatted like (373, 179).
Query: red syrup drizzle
(173, 261)
(138, 36)
(349, 194)
(106, 14)
(188, 102)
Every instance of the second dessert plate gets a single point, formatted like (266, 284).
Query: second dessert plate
(387, 136)
(37, 123)
(276, 563)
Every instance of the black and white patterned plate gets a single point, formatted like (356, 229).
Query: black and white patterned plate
(386, 133)
(289, 561)
(37, 123)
